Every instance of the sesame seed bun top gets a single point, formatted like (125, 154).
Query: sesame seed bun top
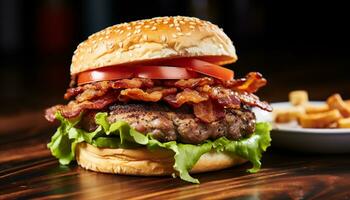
(152, 39)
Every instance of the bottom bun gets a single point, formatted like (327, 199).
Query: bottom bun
(144, 162)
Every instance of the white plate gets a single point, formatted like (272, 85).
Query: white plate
(292, 136)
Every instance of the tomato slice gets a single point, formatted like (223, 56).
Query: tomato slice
(104, 74)
(202, 67)
(181, 68)
(152, 72)
(164, 72)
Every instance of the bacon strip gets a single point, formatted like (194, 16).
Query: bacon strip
(194, 82)
(253, 100)
(208, 95)
(72, 92)
(233, 99)
(132, 83)
(251, 83)
(208, 111)
(185, 96)
(153, 96)
(92, 90)
(73, 109)
(225, 97)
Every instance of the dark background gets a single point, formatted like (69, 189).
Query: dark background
(296, 45)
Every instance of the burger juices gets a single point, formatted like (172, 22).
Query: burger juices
(150, 97)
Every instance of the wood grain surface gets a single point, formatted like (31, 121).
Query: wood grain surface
(28, 171)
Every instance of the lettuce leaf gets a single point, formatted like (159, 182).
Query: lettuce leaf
(121, 135)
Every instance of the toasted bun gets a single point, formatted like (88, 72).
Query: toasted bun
(144, 162)
(150, 39)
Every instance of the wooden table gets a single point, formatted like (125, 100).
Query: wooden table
(27, 170)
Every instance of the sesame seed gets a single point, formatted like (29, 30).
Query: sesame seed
(138, 26)
(174, 35)
(188, 33)
(165, 22)
(129, 34)
(192, 23)
(121, 32)
(180, 33)
(154, 28)
(171, 25)
(145, 37)
(147, 26)
(137, 45)
(181, 22)
(121, 44)
(192, 27)
(178, 28)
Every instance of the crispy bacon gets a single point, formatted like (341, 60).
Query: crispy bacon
(208, 111)
(185, 96)
(253, 100)
(233, 99)
(50, 113)
(208, 96)
(88, 91)
(92, 90)
(194, 82)
(165, 91)
(251, 83)
(153, 96)
(73, 108)
(225, 97)
(254, 81)
(132, 83)
(72, 92)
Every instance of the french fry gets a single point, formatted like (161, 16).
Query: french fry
(319, 120)
(336, 102)
(311, 109)
(284, 115)
(344, 123)
(332, 125)
(347, 102)
(298, 97)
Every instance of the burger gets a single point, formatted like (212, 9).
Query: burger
(151, 98)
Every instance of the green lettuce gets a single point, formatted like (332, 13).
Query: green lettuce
(121, 135)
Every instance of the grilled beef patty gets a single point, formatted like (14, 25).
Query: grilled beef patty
(166, 124)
